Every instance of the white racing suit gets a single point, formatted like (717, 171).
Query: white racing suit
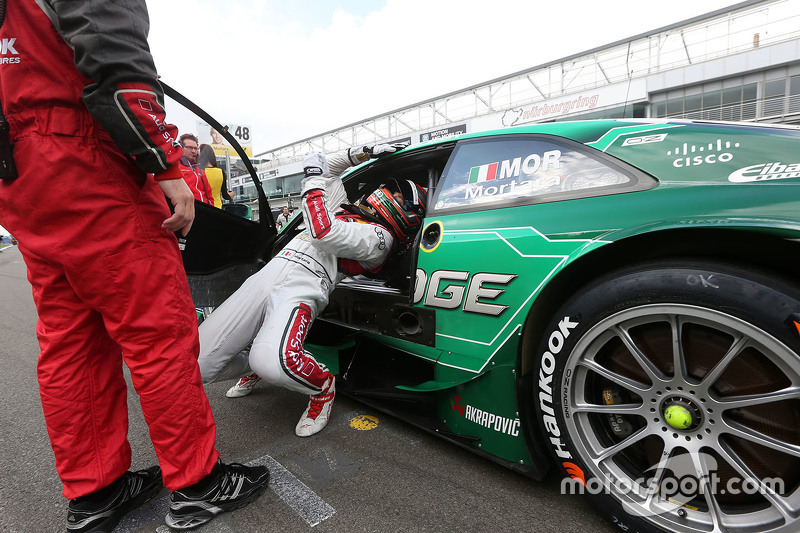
(275, 307)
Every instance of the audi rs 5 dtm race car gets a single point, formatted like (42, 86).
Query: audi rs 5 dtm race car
(618, 300)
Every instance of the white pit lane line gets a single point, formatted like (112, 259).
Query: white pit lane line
(294, 493)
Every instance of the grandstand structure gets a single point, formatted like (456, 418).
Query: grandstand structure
(741, 63)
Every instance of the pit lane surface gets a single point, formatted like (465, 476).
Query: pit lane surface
(393, 477)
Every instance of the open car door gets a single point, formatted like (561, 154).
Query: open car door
(223, 249)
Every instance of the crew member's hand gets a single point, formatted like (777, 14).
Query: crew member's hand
(182, 199)
(379, 150)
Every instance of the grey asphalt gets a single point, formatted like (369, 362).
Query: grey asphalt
(394, 477)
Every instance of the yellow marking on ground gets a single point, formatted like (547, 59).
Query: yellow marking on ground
(364, 422)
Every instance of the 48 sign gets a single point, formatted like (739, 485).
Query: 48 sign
(242, 133)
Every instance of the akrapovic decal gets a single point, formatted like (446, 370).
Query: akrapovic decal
(766, 171)
(547, 366)
(692, 155)
(500, 424)
(473, 297)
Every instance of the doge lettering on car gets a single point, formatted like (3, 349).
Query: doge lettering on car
(480, 312)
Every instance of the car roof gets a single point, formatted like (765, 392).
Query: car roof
(587, 131)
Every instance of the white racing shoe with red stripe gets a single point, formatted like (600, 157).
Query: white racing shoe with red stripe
(243, 387)
(318, 412)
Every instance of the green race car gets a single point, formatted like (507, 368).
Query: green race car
(615, 299)
(618, 300)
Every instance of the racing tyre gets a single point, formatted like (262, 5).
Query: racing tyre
(670, 394)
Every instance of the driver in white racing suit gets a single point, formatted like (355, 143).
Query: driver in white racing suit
(275, 307)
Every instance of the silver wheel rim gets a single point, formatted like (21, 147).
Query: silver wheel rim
(715, 431)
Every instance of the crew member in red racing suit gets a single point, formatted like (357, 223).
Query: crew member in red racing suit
(275, 307)
(80, 92)
(193, 174)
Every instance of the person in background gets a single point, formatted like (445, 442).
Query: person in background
(283, 218)
(84, 104)
(207, 160)
(193, 174)
(276, 306)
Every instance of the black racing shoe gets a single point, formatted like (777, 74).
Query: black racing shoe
(102, 510)
(226, 488)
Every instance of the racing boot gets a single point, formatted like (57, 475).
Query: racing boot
(318, 412)
(103, 509)
(244, 386)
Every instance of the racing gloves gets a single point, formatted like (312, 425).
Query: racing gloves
(315, 164)
(363, 153)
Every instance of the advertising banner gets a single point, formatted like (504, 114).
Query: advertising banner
(443, 132)
(208, 135)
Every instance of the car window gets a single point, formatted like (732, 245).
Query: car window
(496, 172)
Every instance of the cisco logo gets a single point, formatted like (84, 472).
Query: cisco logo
(692, 155)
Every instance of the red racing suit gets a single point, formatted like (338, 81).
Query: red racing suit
(80, 92)
(195, 178)
(276, 306)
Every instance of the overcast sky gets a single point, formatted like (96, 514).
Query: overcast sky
(292, 70)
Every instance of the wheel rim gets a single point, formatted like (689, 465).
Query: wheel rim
(734, 418)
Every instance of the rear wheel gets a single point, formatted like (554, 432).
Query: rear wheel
(671, 394)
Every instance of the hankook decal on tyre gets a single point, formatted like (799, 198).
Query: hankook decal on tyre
(546, 368)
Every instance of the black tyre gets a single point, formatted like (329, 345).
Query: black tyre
(670, 393)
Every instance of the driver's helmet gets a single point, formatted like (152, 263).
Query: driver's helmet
(406, 219)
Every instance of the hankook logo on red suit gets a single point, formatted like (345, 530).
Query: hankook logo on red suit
(6, 49)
